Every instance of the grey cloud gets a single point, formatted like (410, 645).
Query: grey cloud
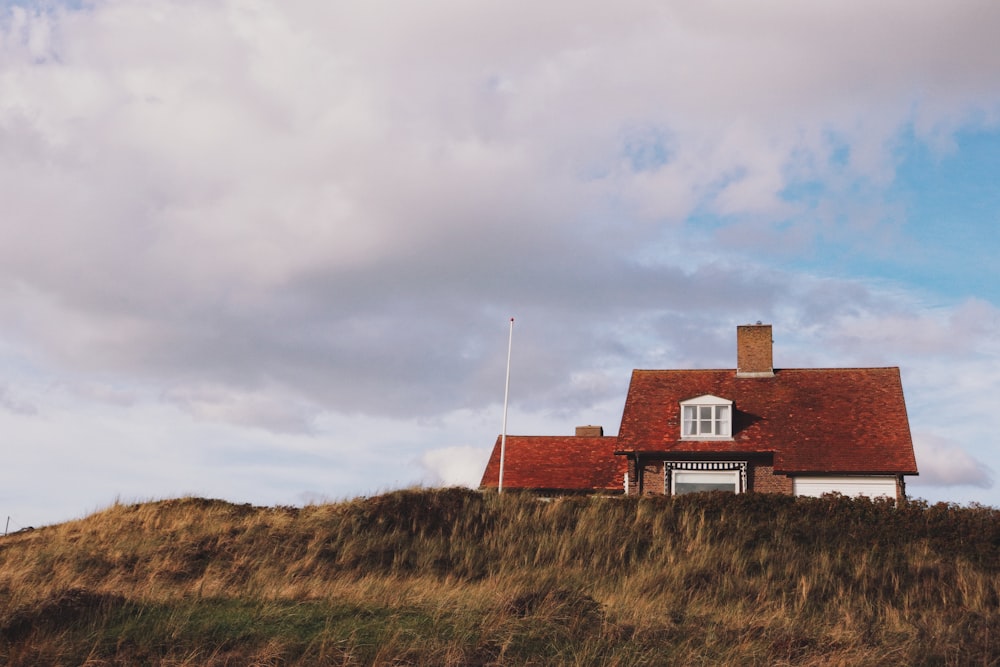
(268, 408)
(314, 206)
(11, 402)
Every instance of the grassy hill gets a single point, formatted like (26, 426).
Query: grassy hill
(454, 577)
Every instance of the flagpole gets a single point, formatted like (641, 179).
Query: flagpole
(506, 394)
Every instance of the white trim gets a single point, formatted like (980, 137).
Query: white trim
(707, 399)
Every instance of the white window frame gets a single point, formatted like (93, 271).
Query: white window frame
(735, 471)
(710, 417)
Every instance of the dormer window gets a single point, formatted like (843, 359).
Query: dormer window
(706, 418)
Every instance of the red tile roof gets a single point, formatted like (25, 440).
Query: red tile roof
(843, 420)
(557, 463)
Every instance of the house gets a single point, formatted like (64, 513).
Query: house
(754, 428)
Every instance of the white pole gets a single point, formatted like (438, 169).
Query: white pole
(506, 393)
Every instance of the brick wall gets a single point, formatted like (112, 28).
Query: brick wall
(652, 477)
(761, 479)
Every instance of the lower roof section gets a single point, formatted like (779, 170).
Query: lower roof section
(557, 463)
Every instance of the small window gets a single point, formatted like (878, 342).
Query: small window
(706, 417)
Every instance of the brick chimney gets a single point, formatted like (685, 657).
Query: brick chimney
(753, 351)
(590, 431)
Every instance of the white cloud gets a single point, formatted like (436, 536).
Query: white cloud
(455, 466)
(966, 328)
(943, 462)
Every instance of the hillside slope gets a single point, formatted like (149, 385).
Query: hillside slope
(454, 577)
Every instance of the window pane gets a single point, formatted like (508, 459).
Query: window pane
(681, 488)
(689, 421)
(705, 420)
(693, 481)
(723, 425)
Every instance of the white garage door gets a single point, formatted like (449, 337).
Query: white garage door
(848, 486)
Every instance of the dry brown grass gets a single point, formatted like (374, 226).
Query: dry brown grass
(453, 577)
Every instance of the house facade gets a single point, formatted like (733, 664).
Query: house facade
(752, 429)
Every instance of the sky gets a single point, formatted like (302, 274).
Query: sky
(268, 250)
